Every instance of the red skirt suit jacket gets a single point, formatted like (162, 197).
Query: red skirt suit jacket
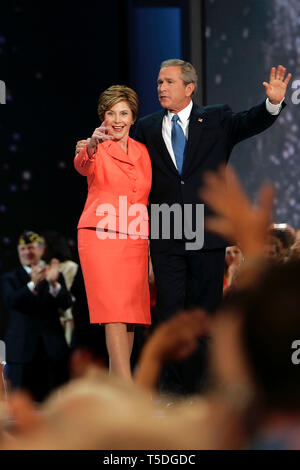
(114, 263)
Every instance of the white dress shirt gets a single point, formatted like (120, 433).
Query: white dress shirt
(183, 121)
(53, 290)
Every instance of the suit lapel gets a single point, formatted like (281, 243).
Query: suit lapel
(195, 134)
(134, 151)
(115, 150)
(23, 275)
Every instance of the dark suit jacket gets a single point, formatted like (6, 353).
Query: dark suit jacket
(31, 316)
(212, 133)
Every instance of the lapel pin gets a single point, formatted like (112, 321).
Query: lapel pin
(200, 120)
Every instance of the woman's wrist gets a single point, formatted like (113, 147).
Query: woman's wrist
(91, 150)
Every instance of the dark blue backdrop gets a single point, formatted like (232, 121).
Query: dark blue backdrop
(243, 41)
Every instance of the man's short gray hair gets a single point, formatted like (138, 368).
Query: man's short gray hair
(188, 72)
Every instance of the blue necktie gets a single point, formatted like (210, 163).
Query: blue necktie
(178, 143)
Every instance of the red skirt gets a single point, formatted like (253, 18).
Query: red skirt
(116, 278)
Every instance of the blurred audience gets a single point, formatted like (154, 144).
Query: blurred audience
(295, 250)
(272, 249)
(286, 236)
(175, 340)
(253, 334)
(233, 260)
(33, 295)
(86, 340)
(252, 357)
(95, 412)
(251, 400)
(57, 247)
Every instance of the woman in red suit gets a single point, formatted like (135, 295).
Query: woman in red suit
(113, 228)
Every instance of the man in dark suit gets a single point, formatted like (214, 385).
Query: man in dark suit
(33, 295)
(184, 142)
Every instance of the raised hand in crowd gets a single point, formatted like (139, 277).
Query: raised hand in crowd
(52, 272)
(38, 274)
(237, 219)
(174, 340)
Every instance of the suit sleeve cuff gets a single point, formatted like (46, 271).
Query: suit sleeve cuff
(86, 154)
(54, 290)
(273, 109)
(31, 286)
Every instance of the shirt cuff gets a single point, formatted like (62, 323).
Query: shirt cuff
(31, 286)
(273, 109)
(54, 290)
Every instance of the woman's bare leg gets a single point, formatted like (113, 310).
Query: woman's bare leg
(130, 337)
(117, 343)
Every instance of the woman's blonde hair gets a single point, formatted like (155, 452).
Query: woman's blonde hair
(113, 95)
